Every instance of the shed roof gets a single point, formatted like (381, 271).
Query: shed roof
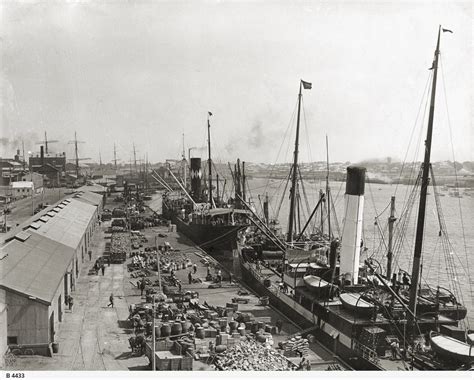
(35, 222)
(22, 185)
(34, 267)
(67, 226)
(88, 197)
(93, 188)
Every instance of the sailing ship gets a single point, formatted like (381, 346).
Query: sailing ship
(372, 310)
(209, 223)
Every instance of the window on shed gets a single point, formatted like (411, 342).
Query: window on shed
(12, 340)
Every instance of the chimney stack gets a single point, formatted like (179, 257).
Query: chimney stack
(196, 176)
(352, 230)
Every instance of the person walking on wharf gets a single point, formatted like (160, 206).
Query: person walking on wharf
(142, 286)
(190, 278)
(111, 299)
(279, 325)
(102, 267)
(90, 255)
(70, 303)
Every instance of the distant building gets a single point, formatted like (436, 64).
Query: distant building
(57, 161)
(37, 180)
(71, 168)
(22, 189)
(51, 175)
(10, 171)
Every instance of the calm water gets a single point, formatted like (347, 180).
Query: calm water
(377, 199)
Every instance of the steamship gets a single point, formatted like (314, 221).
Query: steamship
(373, 319)
(212, 225)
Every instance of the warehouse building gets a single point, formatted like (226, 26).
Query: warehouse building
(40, 265)
(71, 223)
(22, 189)
(3, 325)
(36, 274)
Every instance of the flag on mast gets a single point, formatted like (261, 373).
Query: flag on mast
(446, 30)
(210, 113)
(306, 85)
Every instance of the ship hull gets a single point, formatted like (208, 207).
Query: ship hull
(208, 237)
(341, 345)
(212, 238)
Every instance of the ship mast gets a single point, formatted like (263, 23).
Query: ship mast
(294, 177)
(391, 221)
(209, 161)
(115, 159)
(423, 191)
(328, 198)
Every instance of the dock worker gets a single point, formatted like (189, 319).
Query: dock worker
(405, 280)
(394, 347)
(90, 255)
(279, 325)
(302, 364)
(111, 299)
(195, 268)
(142, 286)
(190, 278)
(102, 267)
(70, 303)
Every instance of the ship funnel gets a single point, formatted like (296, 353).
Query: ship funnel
(196, 175)
(352, 229)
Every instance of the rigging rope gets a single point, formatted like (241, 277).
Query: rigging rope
(413, 130)
(281, 145)
(455, 173)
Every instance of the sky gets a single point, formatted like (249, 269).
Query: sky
(145, 72)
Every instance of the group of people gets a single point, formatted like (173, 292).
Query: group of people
(283, 286)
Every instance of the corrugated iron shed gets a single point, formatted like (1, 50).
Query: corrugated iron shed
(34, 267)
(88, 197)
(69, 225)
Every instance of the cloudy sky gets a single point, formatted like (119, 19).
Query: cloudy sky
(148, 71)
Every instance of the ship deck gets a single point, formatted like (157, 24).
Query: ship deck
(336, 308)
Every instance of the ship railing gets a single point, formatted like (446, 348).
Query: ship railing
(366, 352)
(260, 277)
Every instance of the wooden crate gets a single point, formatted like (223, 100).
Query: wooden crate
(177, 348)
(186, 363)
(163, 364)
(175, 363)
(210, 332)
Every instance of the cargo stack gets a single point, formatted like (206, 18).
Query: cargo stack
(295, 346)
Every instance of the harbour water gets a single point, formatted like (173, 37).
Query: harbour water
(457, 215)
